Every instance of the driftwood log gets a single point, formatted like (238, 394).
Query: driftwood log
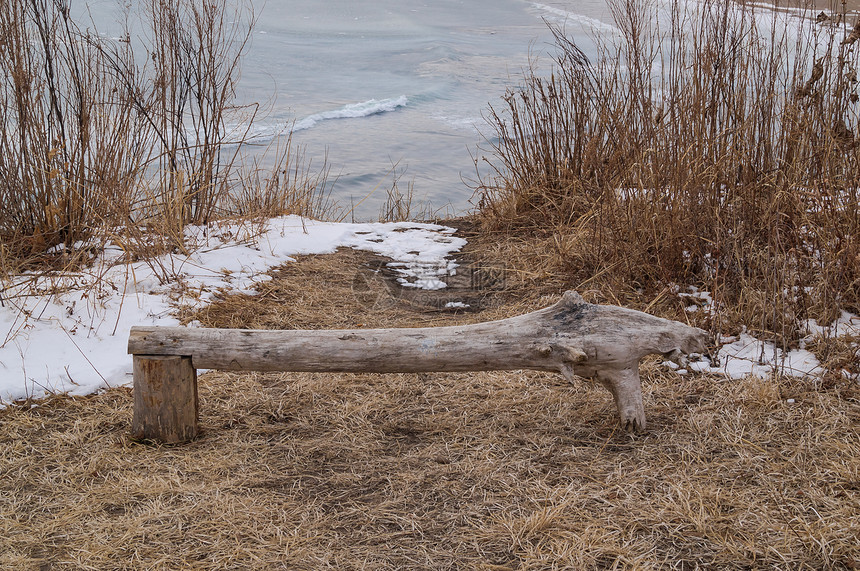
(571, 337)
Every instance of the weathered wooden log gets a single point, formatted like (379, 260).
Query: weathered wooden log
(572, 337)
(165, 398)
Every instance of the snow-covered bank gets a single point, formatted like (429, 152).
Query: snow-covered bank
(69, 333)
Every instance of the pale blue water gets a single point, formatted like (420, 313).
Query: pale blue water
(371, 84)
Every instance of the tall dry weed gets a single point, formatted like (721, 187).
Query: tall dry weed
(129, 139)
(72, 147)
(710, 145)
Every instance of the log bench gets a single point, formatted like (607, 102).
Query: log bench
(572, 337)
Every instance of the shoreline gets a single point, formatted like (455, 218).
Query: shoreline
(850, 7)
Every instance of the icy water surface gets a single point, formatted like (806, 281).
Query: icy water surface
(373, 84)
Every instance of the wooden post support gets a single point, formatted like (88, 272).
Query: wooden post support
(165, 398)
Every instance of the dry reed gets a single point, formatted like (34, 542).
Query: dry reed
(129, 139)
(716, 149)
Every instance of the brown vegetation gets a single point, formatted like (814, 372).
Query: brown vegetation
(719, 150)
(495, 471)
(129, 139)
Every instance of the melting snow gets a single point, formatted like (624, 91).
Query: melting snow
(69, 333)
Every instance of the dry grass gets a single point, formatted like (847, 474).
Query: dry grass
(439, 472)
(718, 149)
(352, 289)
(514, 470)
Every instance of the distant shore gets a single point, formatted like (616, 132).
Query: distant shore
(851, 6)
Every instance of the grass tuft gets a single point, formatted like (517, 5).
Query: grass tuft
(128, 140)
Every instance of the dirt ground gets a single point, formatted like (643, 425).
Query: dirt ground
(494, 471)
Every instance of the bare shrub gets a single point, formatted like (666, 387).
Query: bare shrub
(193, 66)
(715, 149)
(129, 139)
(72, 148)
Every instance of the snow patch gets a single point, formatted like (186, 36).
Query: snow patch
(747, 355)
(69, 333)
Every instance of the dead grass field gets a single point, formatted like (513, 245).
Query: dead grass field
(517, 470)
